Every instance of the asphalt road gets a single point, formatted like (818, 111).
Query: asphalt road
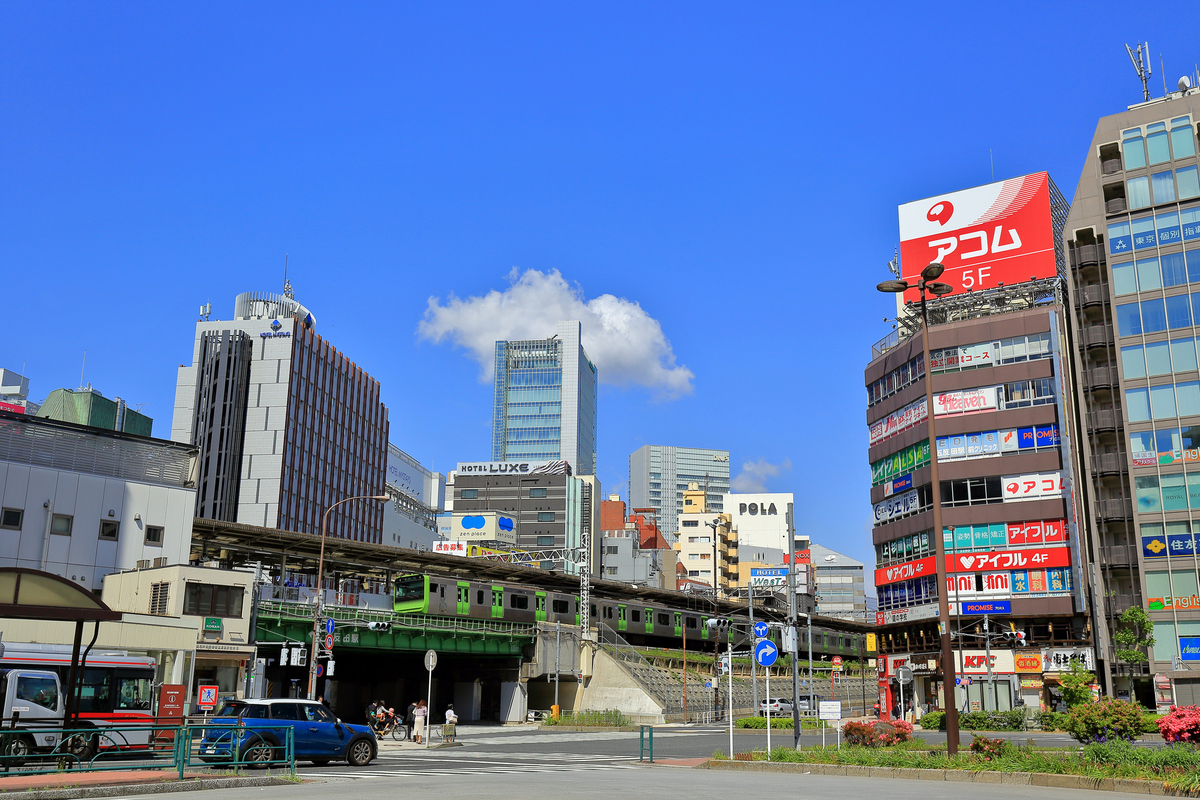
(528, 764)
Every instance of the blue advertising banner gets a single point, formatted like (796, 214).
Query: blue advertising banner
(1189, 648)
(987, 607)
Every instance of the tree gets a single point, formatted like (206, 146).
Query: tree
(1076, 685)
(1134, 635)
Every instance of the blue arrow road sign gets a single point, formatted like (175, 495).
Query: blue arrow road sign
(760, 629)
(329, 626)
(765, 653)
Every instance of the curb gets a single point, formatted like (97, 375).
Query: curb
(955, 776)
(127, 789)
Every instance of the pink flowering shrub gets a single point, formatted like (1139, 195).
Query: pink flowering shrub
(1182, 724)
(901, 731)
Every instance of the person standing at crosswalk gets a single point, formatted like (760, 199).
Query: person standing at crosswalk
(420, 719)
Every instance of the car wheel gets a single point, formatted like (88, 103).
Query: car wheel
(80, 745)
(360, 753)
(258, 754)
(320, 762)
(17, 749)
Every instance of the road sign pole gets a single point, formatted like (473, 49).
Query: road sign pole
(753, 662)
(768, 713)
(729, 649)
(430, 663)
(793, 624)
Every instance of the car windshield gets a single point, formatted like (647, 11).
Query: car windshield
(230, 710)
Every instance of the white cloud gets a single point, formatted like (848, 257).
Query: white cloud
(626, 344)
(754, 474)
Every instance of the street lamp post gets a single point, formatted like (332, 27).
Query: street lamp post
(927, 282)
(316, 639)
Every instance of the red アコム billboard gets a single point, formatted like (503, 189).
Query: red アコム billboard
(998, 233)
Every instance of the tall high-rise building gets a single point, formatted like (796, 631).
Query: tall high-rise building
(659, 475)
(286, 425)
(1133, 241)
(544, 400)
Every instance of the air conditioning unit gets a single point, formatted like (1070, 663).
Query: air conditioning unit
(160, 562)
(143, 564)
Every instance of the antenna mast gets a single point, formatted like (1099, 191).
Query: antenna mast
(287, 285)
(1141, 64)
(894, 264)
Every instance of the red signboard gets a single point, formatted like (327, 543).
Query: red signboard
(170, 700)
(802, 557)
(998, 233)
(977, 562)
(1038, 531)
(13, 408)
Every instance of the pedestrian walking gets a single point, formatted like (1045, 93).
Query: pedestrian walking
(451, 721)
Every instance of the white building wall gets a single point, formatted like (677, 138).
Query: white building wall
(760, 518)
(569, 334)
(88, 499)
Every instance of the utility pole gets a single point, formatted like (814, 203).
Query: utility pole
(987, 645)
(557, 643)
(793, 626)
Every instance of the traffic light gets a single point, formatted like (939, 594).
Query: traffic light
(379, 626)
(718, 624)
(1016, 637)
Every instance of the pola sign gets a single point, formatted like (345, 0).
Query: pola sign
(985, 236)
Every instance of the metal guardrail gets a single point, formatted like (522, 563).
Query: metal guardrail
(32, 749)
(423, 622)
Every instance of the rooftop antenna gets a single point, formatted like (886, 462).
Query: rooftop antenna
(1141, 65)
(287, 285)
(1163, 72)
(205, 311)
(81, 369)
(992, 161)
(894, 264)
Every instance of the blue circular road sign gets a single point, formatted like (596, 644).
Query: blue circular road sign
(760, 630)
(765, 653)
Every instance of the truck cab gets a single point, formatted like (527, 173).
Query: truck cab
(35, 698)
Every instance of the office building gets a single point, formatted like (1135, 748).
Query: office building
(840, 583)
(1007, 448)
(659, 476)
(544, 401)
(418, 496)
(88, 407)
(14, 393)
(1133, 242)
(612, 513)
(286, 424)
(553, 509)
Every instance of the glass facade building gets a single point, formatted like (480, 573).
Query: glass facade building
(659, 475)
(544, 400)
(1134, 245)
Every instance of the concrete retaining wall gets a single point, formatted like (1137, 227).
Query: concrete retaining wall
(611, 687)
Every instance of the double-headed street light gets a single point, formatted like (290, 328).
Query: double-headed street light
(316, 640)
(928, 283)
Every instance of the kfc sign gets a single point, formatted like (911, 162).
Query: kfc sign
(998, 233)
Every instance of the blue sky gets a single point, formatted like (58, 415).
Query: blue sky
(729, 175)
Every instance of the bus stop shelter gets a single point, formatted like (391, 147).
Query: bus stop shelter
(36, 595)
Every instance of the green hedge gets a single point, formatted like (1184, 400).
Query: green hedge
(760, 723)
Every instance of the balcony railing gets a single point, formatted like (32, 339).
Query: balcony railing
(1093, 295)
(1115, 206)
(1119, 508)
(1102, 376)
(1109, 462)
(1110, 166)
(1105, 419)
(1097, 335)
(1085, 255)
(1119, 554)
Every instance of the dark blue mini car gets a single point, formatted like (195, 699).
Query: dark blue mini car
(253, 731)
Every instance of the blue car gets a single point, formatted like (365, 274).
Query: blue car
(318, 736)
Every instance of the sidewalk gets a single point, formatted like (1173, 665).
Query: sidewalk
(61, 785)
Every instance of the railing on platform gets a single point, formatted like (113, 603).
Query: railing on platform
(426, 622)
(34, 749)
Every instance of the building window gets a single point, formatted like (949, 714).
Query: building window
(612, 551)
(208, 600)
(706, 556)
(61, 524)
(159, 598)
(693, 573)
(154, 535)
(545, 516)
(1133, 150)
(610, 570)
(705, 540)
(10, 518)
(693, 556)
(691, 523)
(109, 530)
(1138, 192)
(972, 491)
(545, 541)
(469, 494)
(537, 492)
(687, 502)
